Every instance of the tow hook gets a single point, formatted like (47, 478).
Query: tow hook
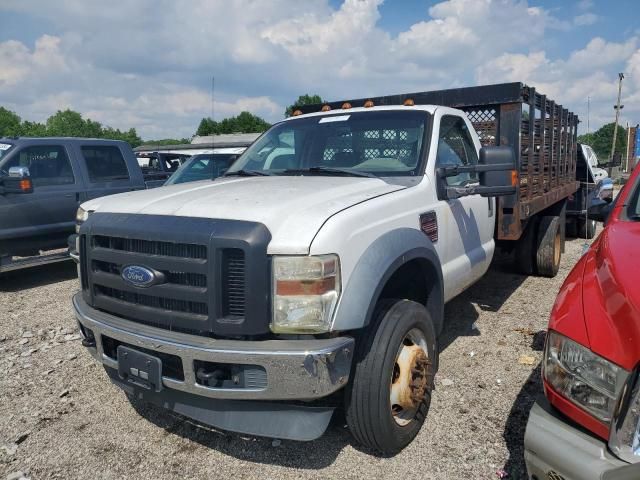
(89, 342)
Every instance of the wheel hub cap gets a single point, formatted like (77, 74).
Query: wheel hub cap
(409, 382)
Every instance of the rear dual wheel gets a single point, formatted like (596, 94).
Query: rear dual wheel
(389, 396)
(549, 246)
(586, 228)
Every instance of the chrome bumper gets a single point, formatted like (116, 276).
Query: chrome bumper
(554, 448)
(295, 369)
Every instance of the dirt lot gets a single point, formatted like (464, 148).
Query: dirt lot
(61, 418)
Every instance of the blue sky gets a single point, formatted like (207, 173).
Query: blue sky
(148, 63)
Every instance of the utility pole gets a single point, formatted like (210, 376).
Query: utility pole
(626, 156)
(618, 107)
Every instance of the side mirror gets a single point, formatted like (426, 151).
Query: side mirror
(599, 210)
(18, 181)
(19, 172)
(604, 190)
(496, 171)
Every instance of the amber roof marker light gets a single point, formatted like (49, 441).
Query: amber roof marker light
(409, 102)
(514, 178)
(325, 108)
(346, 106)
(296, 113)
(368, 104)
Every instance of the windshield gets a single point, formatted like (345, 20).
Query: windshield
(4, 149)
(382, 143)
(592, 158)
(202, 167)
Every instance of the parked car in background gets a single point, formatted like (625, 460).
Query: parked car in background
(590, 156)
(157, 167)
(589, 422)
(57, 175)
(595, 186)
(205, 166)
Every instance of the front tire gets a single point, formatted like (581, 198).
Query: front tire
(389, 396)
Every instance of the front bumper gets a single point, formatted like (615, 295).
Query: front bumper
(295, 369)
(553, 444)
(72, 248)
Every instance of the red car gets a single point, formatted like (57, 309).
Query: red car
(588, 422)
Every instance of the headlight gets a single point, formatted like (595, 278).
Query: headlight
(305, 293)
(586, 379)
(81, 217)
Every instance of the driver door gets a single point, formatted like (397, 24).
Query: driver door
(468, 221)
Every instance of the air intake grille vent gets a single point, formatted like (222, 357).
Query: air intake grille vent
(167, 249)
(233, 272)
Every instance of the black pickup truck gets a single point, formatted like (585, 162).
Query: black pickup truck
(157, 167)
(58, 174)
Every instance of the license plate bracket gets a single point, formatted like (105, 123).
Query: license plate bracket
(139, 368)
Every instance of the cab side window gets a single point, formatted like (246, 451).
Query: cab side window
(48, 165)
(455, 147)
(104, 163)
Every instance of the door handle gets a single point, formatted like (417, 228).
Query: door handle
(68, 195)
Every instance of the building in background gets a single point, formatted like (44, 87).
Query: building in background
(202, 144)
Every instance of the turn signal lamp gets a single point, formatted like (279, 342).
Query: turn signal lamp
(514, 178)
(26, 185)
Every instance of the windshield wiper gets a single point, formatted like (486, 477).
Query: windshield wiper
(330, 171)
(248, 173)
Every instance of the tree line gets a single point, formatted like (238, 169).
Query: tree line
(602, 139)
(68, 123)
(246, 122)
(64, 123)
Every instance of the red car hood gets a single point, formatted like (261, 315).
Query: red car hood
(611, 294)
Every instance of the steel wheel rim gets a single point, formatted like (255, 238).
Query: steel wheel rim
(410, 378)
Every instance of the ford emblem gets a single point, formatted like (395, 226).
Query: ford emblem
(141, 276)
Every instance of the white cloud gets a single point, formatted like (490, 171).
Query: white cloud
(590, 72)
(585, 4)
(150, 62)
(18, 62)
(585, 19)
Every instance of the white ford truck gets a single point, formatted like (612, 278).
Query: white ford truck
(314, 273)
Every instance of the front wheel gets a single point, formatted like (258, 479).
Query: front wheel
(389, 396)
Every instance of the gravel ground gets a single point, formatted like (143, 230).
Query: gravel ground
(61, 418)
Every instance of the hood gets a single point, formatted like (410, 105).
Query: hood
(293, 208)
(611, 296)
